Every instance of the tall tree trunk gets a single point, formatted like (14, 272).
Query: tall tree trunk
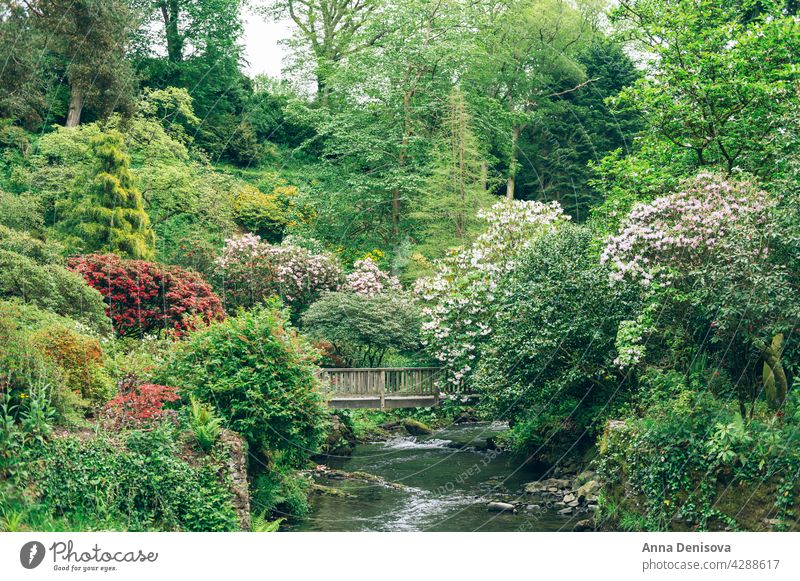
(323, 92)
(75, 107)
(512, 164)
(775, 384)
(401, 161)
(170, 12)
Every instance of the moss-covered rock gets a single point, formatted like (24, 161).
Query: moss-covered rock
(415, 428)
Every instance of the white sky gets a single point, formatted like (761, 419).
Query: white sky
(262, 51)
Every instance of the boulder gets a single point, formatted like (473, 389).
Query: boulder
(501, 507)
(588, 490)
(569, 498)
(583, 525)
(341, 440)
(565, 511)
(415, 428)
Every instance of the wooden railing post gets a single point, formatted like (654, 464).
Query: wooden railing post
(382, 388)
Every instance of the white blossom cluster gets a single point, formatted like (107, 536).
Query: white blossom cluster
(460, 296)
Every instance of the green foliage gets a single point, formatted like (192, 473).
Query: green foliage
(686, 451)
(43, 252)
(173, 109)
(259, 375)
(573, 130)
(80, 359)
(51, 287)
(20, 212)
(68, 58)
(457, 188)
(364, 328)
(550, 361)
(721, 84)
(262, 525)
(111, 217)
(45, 382)
(269, 215)
(137, 478)
(204, 423)
(279, 492)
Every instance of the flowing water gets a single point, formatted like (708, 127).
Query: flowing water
(447, 480)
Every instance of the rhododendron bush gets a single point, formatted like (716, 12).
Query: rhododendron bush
(140, 405)
(368, 279)
(251, 270)
(460, 296)
(708, 255)
(685, 231)
(144, 297)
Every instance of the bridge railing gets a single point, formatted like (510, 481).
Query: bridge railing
(385, 381)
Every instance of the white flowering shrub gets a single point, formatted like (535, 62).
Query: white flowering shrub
(251, 270)
(368, 279)
(460, 296)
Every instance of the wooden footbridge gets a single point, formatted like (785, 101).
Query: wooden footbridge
(381, 388)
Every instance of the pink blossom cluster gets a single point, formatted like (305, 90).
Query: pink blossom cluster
(253, 269)
(683, 229)
(368, 279)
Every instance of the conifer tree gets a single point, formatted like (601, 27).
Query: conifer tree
(457, 187)
(110, 216)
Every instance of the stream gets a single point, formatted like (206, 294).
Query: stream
(447, 480)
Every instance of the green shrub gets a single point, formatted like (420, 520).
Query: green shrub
(279, 492)
(43, 252)
(31, 318)
(139, 479)
(549, 366)
(30, 384)
(80, 359)
(51, 287)
(686, 455)
(259, 375)
(20, 212)
(363, 328)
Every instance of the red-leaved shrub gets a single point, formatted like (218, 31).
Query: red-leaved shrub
(141, 405)
(142, 296)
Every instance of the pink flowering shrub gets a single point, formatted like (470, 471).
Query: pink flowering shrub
(460, 297)
(368, 279)
(708, 262)
(250, 270)
(689, 229)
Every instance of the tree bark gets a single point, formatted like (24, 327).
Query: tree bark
(775, 384)
(170, 12)
(512, 165)
(75, 107)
